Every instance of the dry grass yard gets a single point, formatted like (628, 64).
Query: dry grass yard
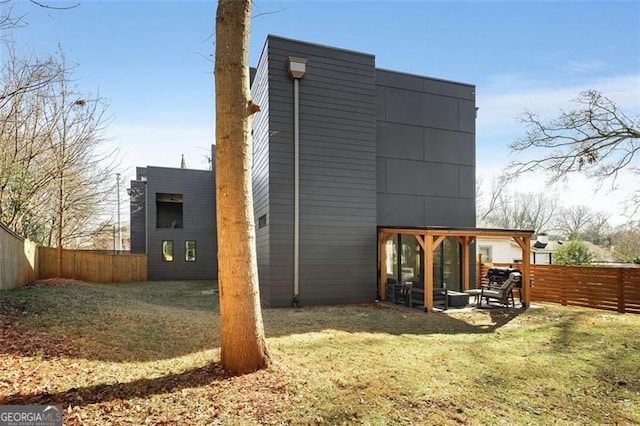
(146, 353)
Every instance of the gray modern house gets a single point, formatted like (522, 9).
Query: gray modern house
(340, 148)
(173, 220)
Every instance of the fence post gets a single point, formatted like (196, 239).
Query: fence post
(112, 258)
(621, 301)
(563, 293)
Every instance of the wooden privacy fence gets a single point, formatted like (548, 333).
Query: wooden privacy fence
(93, 266)
(614, 289)
(18, 260)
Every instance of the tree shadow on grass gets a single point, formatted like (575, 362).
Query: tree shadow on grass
(146, 340)
(384, 318)
(369, 318)
(122, 325)
(140, 388)
(196, 295)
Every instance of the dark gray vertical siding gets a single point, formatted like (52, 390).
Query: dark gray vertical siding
(425, 151)
(137, 203)
(198, 189)
(260, 172)
(337, 174)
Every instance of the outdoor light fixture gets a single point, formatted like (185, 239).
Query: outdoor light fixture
(297, 67)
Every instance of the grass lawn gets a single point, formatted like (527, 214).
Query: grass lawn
(147, 352)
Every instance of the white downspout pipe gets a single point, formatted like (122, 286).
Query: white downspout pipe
(297, 69)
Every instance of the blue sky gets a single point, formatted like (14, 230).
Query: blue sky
(151, 60)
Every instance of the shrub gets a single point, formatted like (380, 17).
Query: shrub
(574, 252)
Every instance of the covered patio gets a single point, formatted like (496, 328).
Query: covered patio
(431, 238)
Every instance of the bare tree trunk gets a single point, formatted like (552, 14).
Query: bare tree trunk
(242, 341)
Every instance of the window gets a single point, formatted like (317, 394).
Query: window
(190, 251)
(262, 221)
(487, 253)
(169, 210)
(167, 250)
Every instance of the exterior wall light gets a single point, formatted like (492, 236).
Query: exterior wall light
(297, 67)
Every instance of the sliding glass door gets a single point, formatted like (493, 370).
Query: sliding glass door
(446, 265)
(404, 261)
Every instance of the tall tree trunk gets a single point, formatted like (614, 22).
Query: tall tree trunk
(242, 341)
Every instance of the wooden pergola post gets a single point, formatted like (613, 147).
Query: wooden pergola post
(525, 245)
(428, 273)
(526, 271)
(428, 246)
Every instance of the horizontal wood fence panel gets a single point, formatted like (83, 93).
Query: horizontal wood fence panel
(93, 266)
(611, 289)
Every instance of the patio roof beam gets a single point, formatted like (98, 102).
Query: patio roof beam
(469, 232)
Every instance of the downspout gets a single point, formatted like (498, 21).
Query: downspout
(297, 69)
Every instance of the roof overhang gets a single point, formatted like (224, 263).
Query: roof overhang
(455, 232)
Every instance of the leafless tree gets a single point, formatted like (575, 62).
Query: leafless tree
(83, 173)
(517, 210)
(242, 342)
(54, 178)
(582, 222)
(599, 230)
(23, 169)
(626, 241)
(596, 139)
(494, 203)
(571, 222)
(24, 75)
(10, 20)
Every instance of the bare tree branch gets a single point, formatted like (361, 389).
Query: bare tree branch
(596, 139)
(517, 210)
(48, 6)
(55, 182)
(496, 202)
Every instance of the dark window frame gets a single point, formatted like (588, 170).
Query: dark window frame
(262, 221)
(169, 211)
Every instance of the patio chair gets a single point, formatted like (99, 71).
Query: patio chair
(501, 293)
(395, 292)
(416, 297)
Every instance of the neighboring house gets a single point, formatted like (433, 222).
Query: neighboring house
(503, 250)
(601, 256)
(376, 148)
(173, 221)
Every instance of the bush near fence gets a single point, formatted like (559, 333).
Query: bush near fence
(607, 288)
(93, 266)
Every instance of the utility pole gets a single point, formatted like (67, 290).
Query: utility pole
(119, 233)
